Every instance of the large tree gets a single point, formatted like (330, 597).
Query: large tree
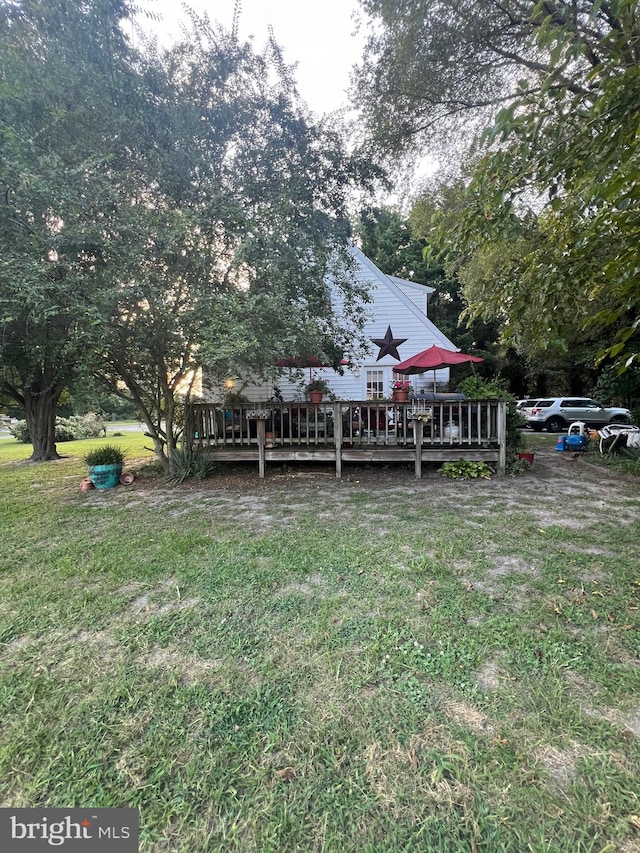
(548, 229)
(203, 212)
(436, 71)
(387, 239)
(63, 81)
(554, 203)
(232, 227)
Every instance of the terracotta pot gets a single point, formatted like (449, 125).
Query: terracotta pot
(316, 396)
(401, 396)
(86, 485)
(126, 479)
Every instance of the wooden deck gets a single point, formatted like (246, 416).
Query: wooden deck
(350, 431)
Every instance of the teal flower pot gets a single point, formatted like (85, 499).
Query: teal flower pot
(105, 476)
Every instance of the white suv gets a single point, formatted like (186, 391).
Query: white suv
(555, 413)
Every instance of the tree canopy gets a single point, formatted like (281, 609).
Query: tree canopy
(62, 83)
(161, 208)
(436, 69)
(545, 236)
(555, 201)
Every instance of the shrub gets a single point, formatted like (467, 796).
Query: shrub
(67, 429)
(517, 466)
(476, 388)
(90, 425)
(20, 432)
(465, 470)
(632, 454)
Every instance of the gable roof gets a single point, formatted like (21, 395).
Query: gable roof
(412, 285)
(388, 282)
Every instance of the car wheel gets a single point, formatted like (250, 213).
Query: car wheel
(555, 424)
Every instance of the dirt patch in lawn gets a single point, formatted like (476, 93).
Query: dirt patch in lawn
(490, 676)
(388, 766)
(189, 669)
(162, 600)
(559, 764)
(314, 585)
(559, 492)
(466, 715)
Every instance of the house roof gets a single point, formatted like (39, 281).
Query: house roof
(389, 282)
(413, 285)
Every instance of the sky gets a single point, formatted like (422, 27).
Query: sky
(318, 35)
(325, 38)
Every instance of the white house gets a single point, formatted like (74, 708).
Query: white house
(397, 327)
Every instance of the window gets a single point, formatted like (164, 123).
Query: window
(375, 384)
(574, 404)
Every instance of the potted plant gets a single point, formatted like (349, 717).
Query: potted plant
(316, 389)
(400, 390)
(105, 465)
(523, 453)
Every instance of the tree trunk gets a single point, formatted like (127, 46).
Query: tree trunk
(153, 432)
(40, 414)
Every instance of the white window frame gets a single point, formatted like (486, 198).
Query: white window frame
(374, 384)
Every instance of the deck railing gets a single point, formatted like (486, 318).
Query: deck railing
(371, 429)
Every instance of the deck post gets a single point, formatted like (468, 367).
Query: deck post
(337, 437)
(261, 432)
(502, 438)
(418, 431)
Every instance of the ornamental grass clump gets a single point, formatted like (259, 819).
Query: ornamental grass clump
(108, 454)
(186, 463)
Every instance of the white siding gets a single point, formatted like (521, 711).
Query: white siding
(417, 293)
(394, 303)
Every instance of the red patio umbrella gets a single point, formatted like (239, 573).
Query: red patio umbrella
(433, 358)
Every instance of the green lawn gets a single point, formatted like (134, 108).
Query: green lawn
(299, 664)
